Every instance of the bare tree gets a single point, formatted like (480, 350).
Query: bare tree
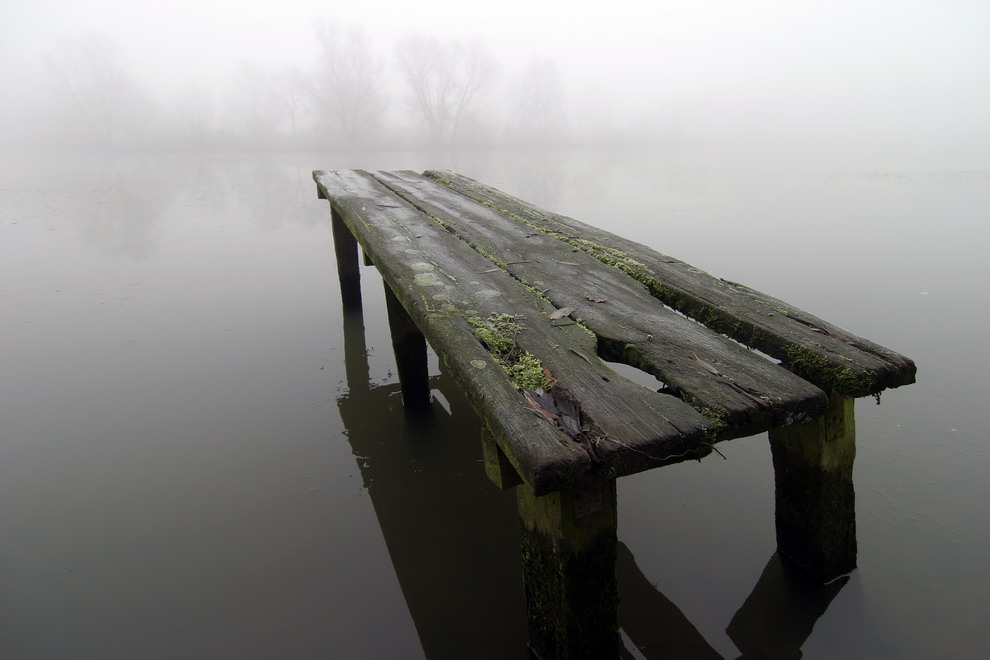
(347, 82)
(99, 92)
(445, 79)
(541, 101)
(195, 114)
(293, 92)
(253, 102)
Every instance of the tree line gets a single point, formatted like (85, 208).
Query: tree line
(430, 92)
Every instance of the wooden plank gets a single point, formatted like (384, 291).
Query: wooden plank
(828, 356)
(741, 391)
(442, 284)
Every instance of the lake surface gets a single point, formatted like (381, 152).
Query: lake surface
(201, 457)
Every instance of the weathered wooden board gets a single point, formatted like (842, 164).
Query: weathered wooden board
(824, 354)
(743, 392)
(442, 284)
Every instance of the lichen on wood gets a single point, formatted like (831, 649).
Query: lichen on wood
(857, 367)
(842, 380)
(497, 333)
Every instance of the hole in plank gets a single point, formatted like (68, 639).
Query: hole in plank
(768, 358)
(757, 351)
(637, 376)
(441, 400)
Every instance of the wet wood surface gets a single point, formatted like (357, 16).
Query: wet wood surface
(456, 253)
(743, 390)
(828, 356)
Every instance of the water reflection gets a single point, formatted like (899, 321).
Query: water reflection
(137, 206)
(654, 625)
(780, 614)
(167, 350)
(115, 207)
(454, 543)
(540, 180)
(451, 535)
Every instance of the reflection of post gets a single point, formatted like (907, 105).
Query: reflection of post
(568, 549)
(655, 626)
(348, 268)
(355, 352)
(780, 613)
(410, 354)
(815, 500)
(447, 531)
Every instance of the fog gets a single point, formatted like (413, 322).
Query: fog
(202, 456)
(849, 76)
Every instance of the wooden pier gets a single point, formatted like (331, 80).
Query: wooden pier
(524, 306)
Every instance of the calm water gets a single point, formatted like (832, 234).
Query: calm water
(200, 457)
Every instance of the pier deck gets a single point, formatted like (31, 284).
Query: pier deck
(525, 309)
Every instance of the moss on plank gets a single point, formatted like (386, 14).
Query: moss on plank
(817, 368)
(528, 373)
(715, 417)
(497, 333)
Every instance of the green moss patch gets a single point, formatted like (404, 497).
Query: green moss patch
(497, 333)
(816, 368)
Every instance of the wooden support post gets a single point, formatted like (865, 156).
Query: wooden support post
(409, 346)
(815, 500)
(497, 465)
(348, 268)
(568, 550)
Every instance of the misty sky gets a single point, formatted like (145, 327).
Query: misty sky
(886, 69)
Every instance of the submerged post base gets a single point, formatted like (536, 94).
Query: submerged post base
(568, 549)
(348, 265)
(409, 346)
(815, 499)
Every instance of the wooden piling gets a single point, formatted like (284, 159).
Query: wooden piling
(356, 369)
(815, 499)
(497, 466)
(409, 346)
(348, 264)
(569, 550)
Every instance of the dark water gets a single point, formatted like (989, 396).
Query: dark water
(201, 457)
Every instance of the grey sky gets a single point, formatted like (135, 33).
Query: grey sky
(880, 68)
